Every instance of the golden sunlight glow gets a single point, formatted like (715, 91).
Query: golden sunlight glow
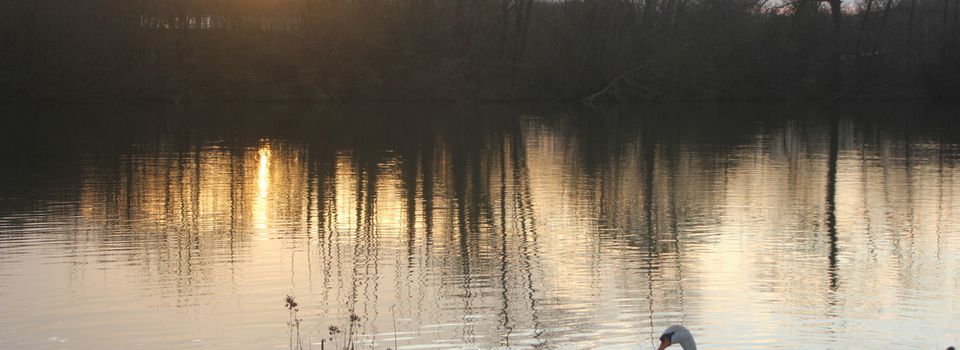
(260, 211)
(536, 227)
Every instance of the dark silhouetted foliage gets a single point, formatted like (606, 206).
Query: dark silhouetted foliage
(614, 50)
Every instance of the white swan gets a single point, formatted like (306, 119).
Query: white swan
(677, 334)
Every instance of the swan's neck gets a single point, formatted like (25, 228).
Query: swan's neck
(688, 344)
(679, 335)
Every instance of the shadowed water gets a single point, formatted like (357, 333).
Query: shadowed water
(757, 227)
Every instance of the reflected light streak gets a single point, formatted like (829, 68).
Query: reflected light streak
(260, 210)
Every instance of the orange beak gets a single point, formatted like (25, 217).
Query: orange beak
(664, 344)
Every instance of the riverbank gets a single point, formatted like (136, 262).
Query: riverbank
(243, 93)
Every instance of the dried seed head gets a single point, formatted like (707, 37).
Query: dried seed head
(291, 303)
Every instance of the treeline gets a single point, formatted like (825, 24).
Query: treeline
(607, 50)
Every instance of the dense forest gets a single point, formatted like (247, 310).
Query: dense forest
(600, 51)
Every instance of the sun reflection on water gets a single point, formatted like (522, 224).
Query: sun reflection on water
(261, 216)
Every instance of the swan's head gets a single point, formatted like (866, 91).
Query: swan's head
(677, 334)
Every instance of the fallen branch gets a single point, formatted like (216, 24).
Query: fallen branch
(621, 85)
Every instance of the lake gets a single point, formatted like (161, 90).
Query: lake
(479, 226)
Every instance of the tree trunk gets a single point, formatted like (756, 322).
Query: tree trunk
(836, 74)
(943, 49)
(863, 27)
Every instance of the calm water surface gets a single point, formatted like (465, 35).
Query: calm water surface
(477, 227)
